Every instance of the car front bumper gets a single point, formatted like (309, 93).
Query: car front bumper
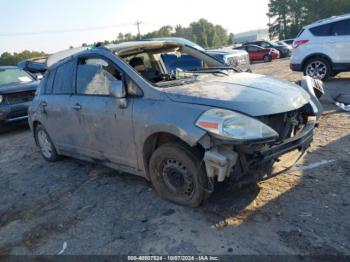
(13, 113)
(222, 162)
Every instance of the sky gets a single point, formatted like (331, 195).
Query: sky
(52, 25)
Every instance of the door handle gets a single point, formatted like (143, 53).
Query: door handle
(76, 107)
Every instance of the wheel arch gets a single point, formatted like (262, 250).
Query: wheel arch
(321, 55)
(155, 140)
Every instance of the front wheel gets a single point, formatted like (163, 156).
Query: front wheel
(178, 175)
(318, 68)
(47, 148)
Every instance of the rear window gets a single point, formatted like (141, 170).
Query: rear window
(341, 28)
(301, 31)
(322, 30)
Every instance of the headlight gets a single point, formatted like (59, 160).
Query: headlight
(232, 125)
(1, 98)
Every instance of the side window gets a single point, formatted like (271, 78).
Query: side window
(265, 45)
(322, 30)
(253, 49)
(63, 83)
(49, 82)
(94, 76)
(341, 28)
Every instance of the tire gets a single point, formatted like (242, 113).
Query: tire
(178, 175)
(318, 68)
(44, 142)
(267, 58)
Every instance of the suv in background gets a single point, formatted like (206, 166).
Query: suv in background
(322, 49)
(285, 50)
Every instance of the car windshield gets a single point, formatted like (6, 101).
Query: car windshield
(14, 75)
(171, 65)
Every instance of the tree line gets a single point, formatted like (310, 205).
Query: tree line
(201, 32)
(7, 58)
(287, 17)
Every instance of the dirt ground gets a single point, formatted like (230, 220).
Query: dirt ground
(73, 207)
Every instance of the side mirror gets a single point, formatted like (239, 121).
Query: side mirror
(117, 89)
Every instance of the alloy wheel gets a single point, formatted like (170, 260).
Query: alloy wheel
(316, 69)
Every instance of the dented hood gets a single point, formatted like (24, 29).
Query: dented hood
(252, 94)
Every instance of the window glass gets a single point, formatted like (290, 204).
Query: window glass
(184, 62)
(265, 45)
(322, 30)
(341, 28)
(252, 49)
(49, 83)
(63, 83)
(94, 76)
(14, 75)
(301, 31)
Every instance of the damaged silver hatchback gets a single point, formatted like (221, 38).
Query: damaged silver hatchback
(183, 130)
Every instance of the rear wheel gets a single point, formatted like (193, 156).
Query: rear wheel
(47, 148)
(318, 68)
(267, 58)
(177, 174)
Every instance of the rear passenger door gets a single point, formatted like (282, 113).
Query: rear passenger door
(56, 105)
(341, 39)
(105, 130)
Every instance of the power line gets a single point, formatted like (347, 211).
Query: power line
(64, 30)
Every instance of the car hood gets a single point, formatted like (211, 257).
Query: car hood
(18, 87)
(252, 94)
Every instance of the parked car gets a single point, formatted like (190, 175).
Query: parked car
(118, 105)
(17, 89)
(257, 53)
(288, 41)
(285, 51)
(322, 49)
(235, 58)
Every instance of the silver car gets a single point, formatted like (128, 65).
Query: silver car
(182, 130)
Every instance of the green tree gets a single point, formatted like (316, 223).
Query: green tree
(7, 58)
(287, 17)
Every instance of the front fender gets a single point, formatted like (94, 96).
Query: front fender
(163, 116)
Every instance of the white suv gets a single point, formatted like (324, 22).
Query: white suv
(322, 49)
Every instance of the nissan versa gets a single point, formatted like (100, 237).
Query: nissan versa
(183, 130)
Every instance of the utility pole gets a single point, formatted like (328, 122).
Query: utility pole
(138, 28)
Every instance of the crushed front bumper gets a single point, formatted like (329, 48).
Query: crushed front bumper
(248, 163)
(301, 142)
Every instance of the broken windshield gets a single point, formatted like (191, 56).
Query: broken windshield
(173, 65)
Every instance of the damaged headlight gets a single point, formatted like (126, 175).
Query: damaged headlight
(232, 125)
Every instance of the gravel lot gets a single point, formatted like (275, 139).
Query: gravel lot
(96, 210)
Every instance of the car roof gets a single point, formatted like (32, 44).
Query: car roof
(9, 67)
(123, 47)
(179, 40)
(328, 20)
(144, 45)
